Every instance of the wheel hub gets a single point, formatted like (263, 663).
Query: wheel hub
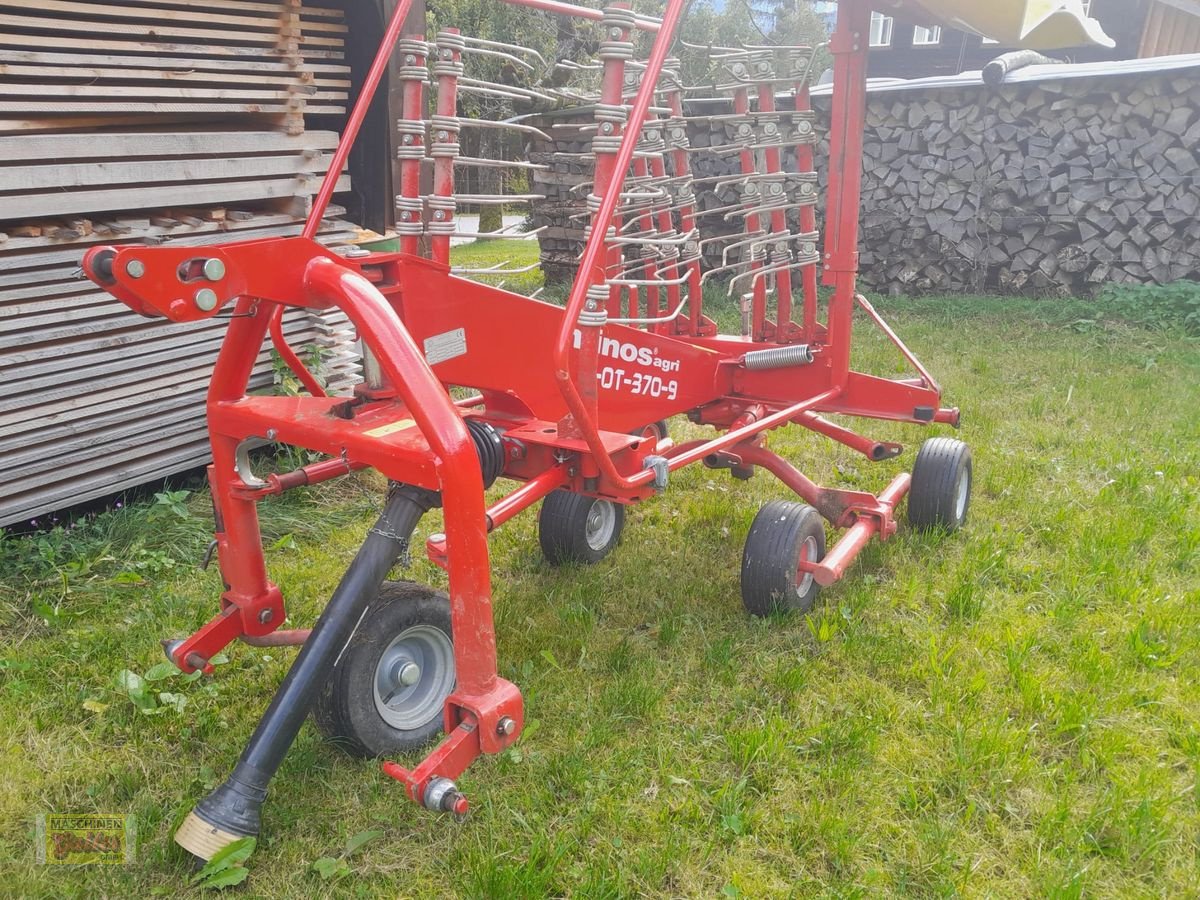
(961, 491)
(601, 520)
(808, 554)
(413, 677)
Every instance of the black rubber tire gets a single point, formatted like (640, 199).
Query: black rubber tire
(345, 710)
(563, 528)
(771, 580)
(939, 497)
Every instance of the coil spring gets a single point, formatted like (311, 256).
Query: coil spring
(618, 17)
(779, 357)
(451, 40)
(412, 46)
(409, 209)
(621, 50)
(446, 206)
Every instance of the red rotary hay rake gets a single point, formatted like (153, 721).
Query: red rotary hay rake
(567, 401)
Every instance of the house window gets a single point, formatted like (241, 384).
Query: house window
(927, 35)
(881, 30)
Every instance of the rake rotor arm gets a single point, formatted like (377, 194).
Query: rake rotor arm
(595, 247)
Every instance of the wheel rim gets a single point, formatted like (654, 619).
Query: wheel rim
(808, 553)
(601, 522)
(961, 492)
(414, 676)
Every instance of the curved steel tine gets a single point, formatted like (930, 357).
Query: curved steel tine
(498, 199)
(770, 270)
(655, 321)
(512, 91)
(647, 282)
(480, 51)
(724, 237)
(483, 163)
(500, 45)
(494, 270)
(755, 242)
(782, 203)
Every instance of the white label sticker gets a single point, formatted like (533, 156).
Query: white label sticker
(447, 345)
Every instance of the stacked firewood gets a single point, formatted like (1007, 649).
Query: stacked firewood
(562, 214)
(1055, 186)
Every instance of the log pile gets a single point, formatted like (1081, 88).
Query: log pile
(561, 214)
(1052, 187)
(145, 121)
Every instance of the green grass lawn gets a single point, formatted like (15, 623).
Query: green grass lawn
(1010, 711)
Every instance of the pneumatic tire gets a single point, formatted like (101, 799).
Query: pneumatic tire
(387, 692)
(783, 535)
(940, 496)
(573, 528)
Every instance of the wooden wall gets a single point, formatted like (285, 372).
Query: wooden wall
(182, 121)
(1171, 29)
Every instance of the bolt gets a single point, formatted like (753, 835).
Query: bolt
(606, 128)
(407, 139)
(409, 59)
(135, 268)
(271, 432)
(405, 216)
(614, 34)
(506, 726)
(439, 214)
(206, 299)
(447, 54)
(170, 646)
(409, 674)
(214, 269)
(442, 135)
(738, 69)
(590, 305)
(266, 616)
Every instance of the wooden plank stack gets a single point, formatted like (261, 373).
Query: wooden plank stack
(144, 121)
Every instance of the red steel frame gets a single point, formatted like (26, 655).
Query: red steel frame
(562, 426)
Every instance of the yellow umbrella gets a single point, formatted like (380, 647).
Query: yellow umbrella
(1032, 24)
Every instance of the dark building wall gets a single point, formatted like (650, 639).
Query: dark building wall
(961, 52)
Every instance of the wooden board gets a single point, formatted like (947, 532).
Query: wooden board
(181, 121)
